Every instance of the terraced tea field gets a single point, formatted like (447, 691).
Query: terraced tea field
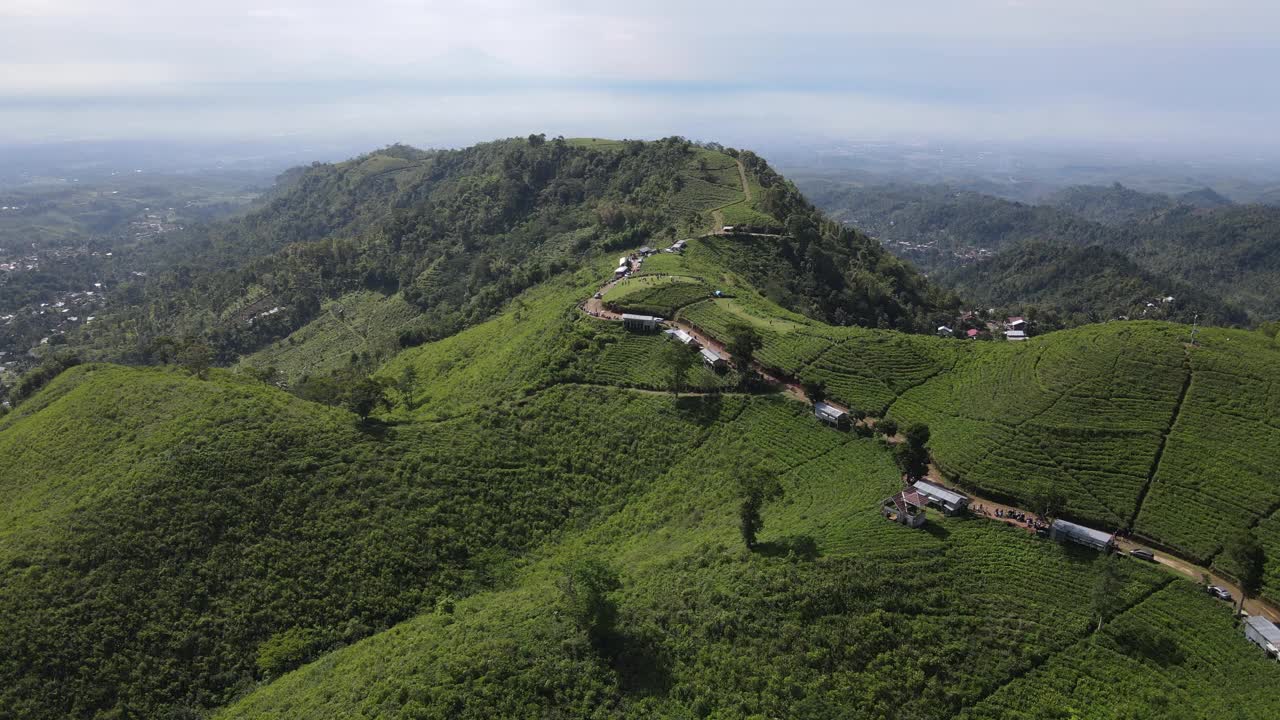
(635, 360)
(660, 296)
(1218, 464)
(1171, 654)
(1136, 428)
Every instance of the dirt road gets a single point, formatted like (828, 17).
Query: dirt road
(985, 507)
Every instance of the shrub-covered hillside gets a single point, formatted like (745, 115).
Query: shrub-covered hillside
(1069, 286)
(168, 557)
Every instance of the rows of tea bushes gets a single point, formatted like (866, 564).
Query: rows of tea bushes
(1170, 656)
(1217, 474)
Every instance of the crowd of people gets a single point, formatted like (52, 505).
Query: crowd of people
(1033, 522)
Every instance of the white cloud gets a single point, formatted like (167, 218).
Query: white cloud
(1186, 68)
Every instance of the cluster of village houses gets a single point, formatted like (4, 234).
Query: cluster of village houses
(628, 264)
(1014, 328)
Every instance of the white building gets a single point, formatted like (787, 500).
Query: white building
(1062, 531)
(713, 358)
(949, 501)
(640, 322)
(1263, 633)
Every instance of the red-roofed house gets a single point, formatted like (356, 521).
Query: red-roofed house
(907, 508)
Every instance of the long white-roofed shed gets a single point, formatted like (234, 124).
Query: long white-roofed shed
(640, 322)
(713, 358)
(1064, 531)
(949, 501)
(1263, 633)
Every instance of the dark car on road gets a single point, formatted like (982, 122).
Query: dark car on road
(1143, 554)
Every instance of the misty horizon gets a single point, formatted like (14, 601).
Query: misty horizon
(1186, 79)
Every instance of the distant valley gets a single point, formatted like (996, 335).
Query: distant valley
(1215, 257)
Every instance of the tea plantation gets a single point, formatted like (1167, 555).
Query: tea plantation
(172, 546)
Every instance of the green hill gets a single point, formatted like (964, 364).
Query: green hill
(456, 234)
(1111, 205)
(536, 524)
(834, 616)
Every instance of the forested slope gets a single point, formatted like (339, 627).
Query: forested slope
(1219, 249)
(456, 234)
(1066, 285)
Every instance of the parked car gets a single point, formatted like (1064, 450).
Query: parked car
(1219, 592)
(1143, 554)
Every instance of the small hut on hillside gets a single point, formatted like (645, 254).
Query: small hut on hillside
(830, 414)
(905, 508)
(1263, 633)
(683, 337)
(714, 359)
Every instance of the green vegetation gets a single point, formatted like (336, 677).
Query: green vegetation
(460, 529)
(227, 514)
(1124, 423)
(1170, 655)
(1059, 286)
(651, 295)
(544, 515)
(365, 324)
(1213, 257)
(843, 630)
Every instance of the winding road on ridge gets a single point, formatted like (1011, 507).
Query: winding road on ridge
(793, 389)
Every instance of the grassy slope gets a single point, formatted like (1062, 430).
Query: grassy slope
(1085, 410)
(235, 513)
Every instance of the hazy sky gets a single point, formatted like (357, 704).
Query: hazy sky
(1187, 72)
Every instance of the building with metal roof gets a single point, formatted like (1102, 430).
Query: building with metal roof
(683, 337)
(640, 322)
(1263, 633)
(713, 358)
(830, 414)
(1064, 531)
(949, 501)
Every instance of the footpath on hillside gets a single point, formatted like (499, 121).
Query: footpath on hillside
(980, 505)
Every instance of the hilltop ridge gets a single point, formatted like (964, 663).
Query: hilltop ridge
(455, 234)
